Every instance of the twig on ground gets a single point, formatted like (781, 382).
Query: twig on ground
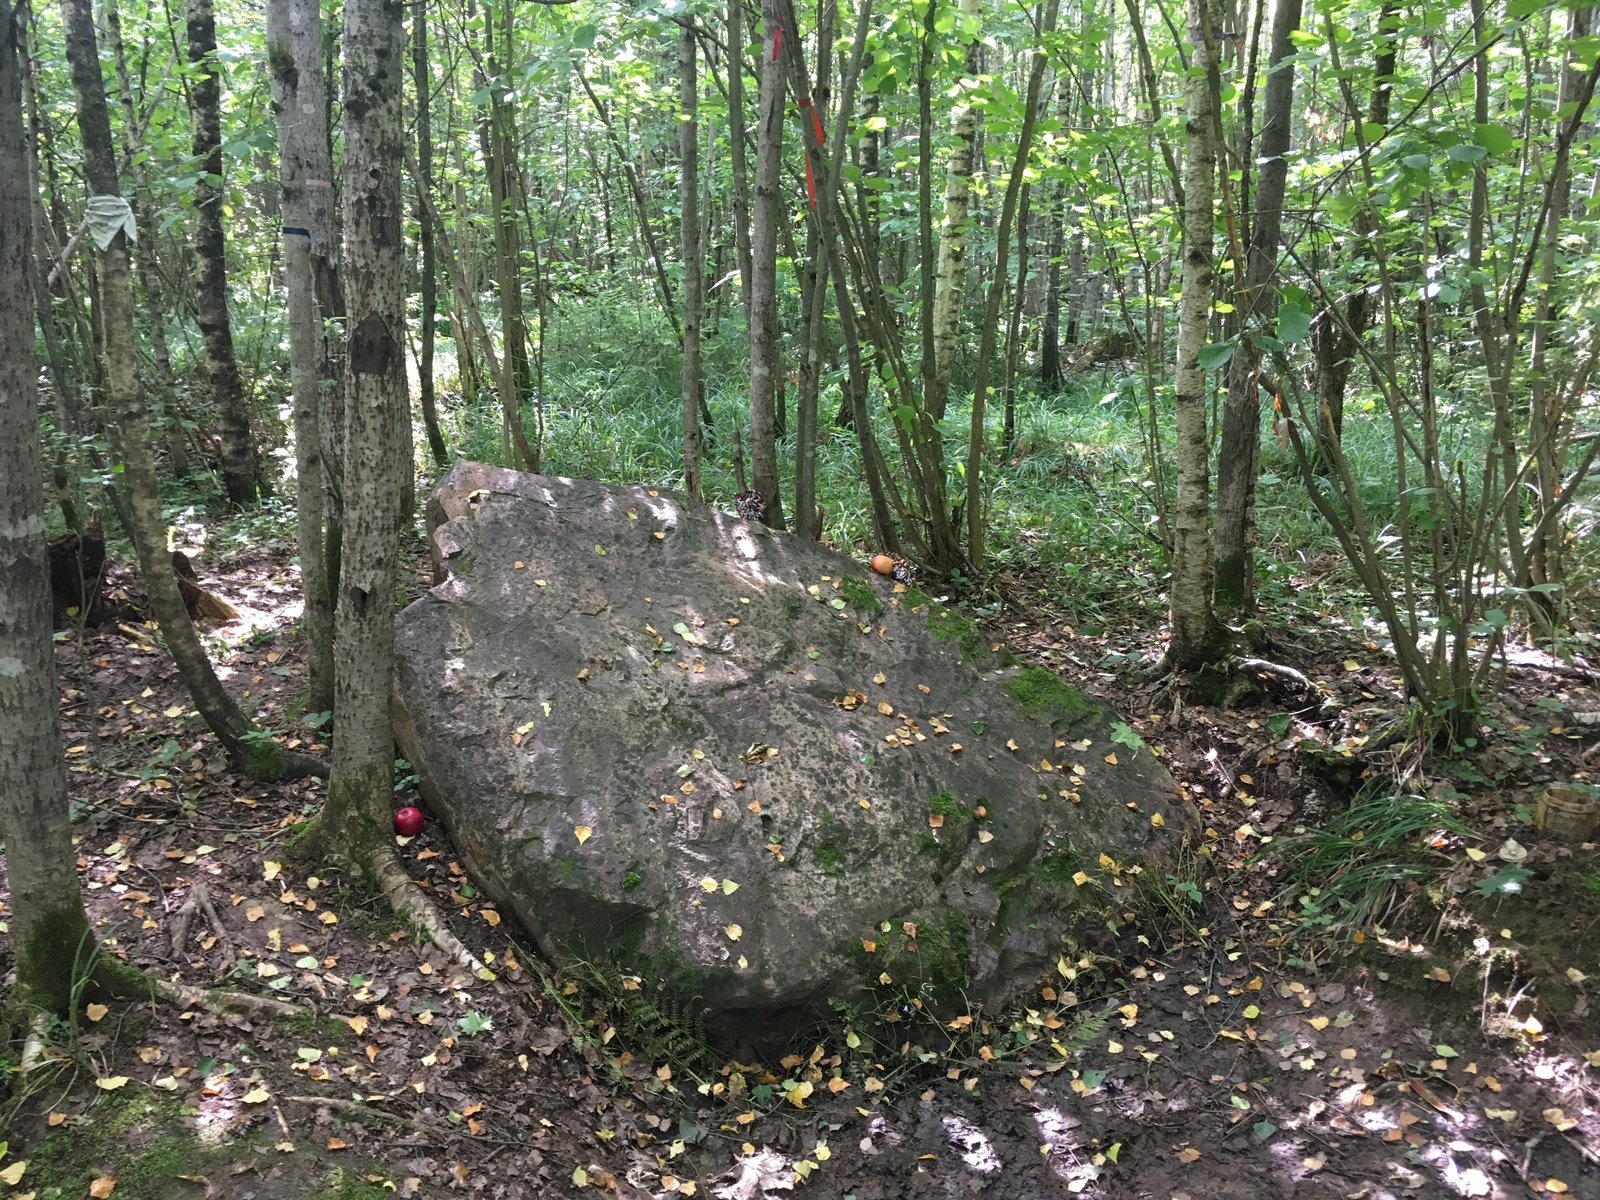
(362, 1109)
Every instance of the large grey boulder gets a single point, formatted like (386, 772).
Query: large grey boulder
(736, 764)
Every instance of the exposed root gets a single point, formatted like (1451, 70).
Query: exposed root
(302, 766)
(383, 867)
(1263, 667)
(198, 902)
(359, 1109)
(33, 1046)
(221, 1003)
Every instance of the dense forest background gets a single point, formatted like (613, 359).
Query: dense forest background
(645, 243)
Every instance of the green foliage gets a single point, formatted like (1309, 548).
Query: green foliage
(1346, 876)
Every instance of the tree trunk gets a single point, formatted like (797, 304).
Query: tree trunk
(767, 213)
(807, 514)
(49, 931)
(1545, 415)
(173, 434)
(294, 58)
(953, 231)
(736, 156)
(241, 466)
(496, 148)
(428, 280)
(693, 255)
(1239, 454)
(1196, 638)
(1334, 344)
(977, 499)
(251, 751)
(360, 792)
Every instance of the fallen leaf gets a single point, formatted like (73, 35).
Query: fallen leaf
(96, 1012)
(1559, 1119)
(12, 1175)
(112, 1082)
(734, 932)
(335, 1143)
(582, 833)
(258, 1095)
(357, 1024)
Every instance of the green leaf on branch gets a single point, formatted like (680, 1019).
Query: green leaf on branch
(1216, 355)
(1294, 322)
(1495, 139)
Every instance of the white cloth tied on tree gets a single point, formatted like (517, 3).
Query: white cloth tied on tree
(104, 215)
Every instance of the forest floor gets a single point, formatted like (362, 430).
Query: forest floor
(1212, 1049)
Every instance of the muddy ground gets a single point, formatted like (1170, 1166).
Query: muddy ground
(1215, 1045)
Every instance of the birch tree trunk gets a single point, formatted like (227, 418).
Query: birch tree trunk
(952, 272)
(767, 212)
(693, 255)
(736, 156)
(1197, 639)
(356, 819)
(294, 59)
(48, 925)
(249, 750)
(1238, 457)
(241, 466)
(428, 277)
(149, 274)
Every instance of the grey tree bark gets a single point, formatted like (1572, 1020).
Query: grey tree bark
(1238, 456)
(241, 465)
(428, 277)
(294, 60)
(1197, 638)
(249, 749)
(355, 821)
(765, 216)
(736, 155)
(49, 930)
(952, 272)
(693, 253)
(149, 275)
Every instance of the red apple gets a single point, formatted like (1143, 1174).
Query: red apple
(883, 564)
(408, 822)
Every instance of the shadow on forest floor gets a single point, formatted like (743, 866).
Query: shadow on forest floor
(1208, 1048)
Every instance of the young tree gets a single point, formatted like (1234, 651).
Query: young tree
(1238, 456)
(428, 277)
(294, 58)
(249, 749)
(49, 931)
(1197, 637)
(766, 213)
(356, 819)
(241, 465)
(952, 271)
(693, 254)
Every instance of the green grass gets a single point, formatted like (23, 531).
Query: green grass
(1348, 874)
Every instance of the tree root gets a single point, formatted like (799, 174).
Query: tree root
(382, 866)
(301, 766)
(222, 1003)
(359, 1109)
(1262, 666)
(199, 901)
